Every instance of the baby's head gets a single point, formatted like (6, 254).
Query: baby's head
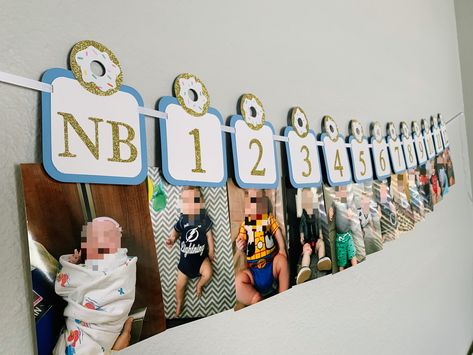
(192, 201)
(255, 202)
(341, 193)
(100, 237)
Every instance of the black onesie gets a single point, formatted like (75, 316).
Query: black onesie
(194, 247)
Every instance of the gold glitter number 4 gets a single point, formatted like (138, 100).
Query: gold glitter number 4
(338, 164)
(255, 171)
(306, 159)
(198, 159)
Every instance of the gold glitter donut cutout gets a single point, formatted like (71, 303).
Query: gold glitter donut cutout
(439, 120)
(330, 127)
(185, 83)
(404, 129)
(423, 124)
(80, 62)
(247, 102)
(376, 132)
(356, 130)
(300, 122)
(392, 131)
(416, 128)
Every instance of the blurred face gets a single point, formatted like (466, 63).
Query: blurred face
(341, 193)
(191, 202)
(255, 202)
(100, 238)
(307, 200)
(365, 204)
(383, 193)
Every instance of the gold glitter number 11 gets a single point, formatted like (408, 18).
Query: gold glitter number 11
(198, 159)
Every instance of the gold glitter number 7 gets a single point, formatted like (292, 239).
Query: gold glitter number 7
(255, 171)
(198, 159)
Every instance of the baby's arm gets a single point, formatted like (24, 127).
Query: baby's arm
(280, 241)
(210, 242)
(172, 238)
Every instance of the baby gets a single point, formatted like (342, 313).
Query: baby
(99, 293)
(260, 239)
(197, 245)
(342, 214)
(311, 237)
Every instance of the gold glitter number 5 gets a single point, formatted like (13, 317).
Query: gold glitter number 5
(198, 159)
(255, 171)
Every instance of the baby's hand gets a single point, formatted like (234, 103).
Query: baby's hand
(212, 255)
(75, 258)
(240, 244)
(169, 242)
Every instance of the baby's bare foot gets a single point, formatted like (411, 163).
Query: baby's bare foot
(178, 309)
(198, 290)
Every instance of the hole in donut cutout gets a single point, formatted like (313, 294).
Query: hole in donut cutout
(300, 123)
(97, 68)
(192, 95)
(357, 131)
(332, 129)
(252, 111)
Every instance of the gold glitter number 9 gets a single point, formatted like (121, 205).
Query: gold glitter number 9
(338, 164)
(255, 171)
(306, 159)
(198, 159)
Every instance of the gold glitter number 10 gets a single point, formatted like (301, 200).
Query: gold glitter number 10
(198, 159)
(255, 171)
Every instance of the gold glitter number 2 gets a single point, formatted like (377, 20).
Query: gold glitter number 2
(198, 159)
(255, 171)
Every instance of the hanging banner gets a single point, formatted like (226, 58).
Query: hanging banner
(192, 141)
(429, 142)
(254, 149)
(408, 146)
(302, 152)
(437, 135)
(360, 153)
(419, 143)
(379, 150)
(92, 130)
(395, 150)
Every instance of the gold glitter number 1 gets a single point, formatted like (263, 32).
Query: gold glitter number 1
(198, 159)
(255, 171)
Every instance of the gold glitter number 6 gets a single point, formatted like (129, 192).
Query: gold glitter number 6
(382, 162)
(255, 171)
(306, 159)
(338, 164)
(198, 159)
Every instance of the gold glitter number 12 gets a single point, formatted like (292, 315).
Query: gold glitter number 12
(255, 171)
(198, 159)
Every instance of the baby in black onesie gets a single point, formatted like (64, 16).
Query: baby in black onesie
(196, 247)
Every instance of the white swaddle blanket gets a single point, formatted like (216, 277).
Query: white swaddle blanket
(98, 303)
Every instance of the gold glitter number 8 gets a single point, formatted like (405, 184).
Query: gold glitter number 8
(255, 171)
(306, 159)
(338, 164)
(411, 157)
(198, 159)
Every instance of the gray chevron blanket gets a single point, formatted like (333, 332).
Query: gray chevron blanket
(219, 293)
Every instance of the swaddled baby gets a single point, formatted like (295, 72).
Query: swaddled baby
(99, 292)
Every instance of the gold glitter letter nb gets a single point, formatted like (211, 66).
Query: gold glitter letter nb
(116, 142)
(93, 148)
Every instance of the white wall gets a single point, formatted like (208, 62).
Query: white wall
(364, 59)
(464, 15)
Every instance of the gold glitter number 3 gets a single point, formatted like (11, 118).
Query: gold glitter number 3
(306, 159)
(198, 159)
(338, 164)
(255, 171)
